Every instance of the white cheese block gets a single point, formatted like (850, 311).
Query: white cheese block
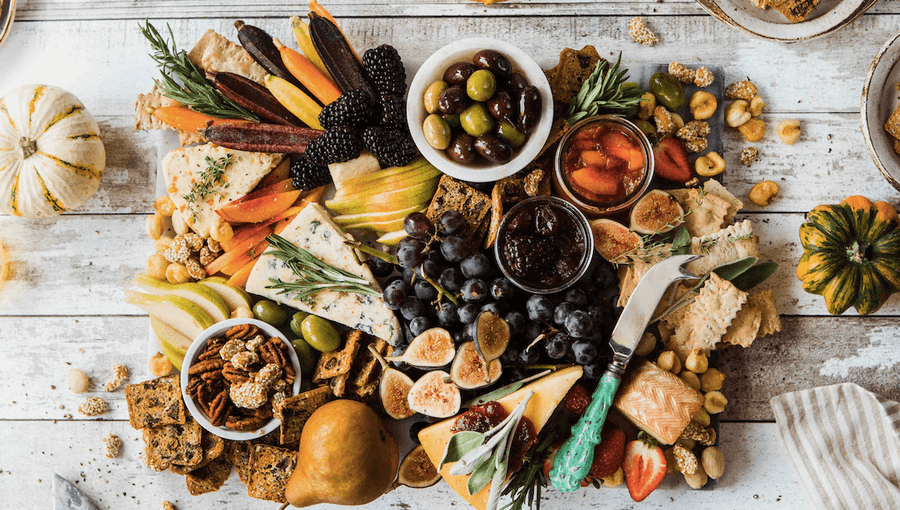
(314, 231)
(183, 167)
(364, 164)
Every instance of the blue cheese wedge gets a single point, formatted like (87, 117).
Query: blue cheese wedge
(314, 231)
(185, 167)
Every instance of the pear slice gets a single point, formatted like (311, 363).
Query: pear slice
(375, 178)
(392, 238)
(174, 344)
(174, 357)
(201, 295)
(349, 219)
(182, 315)
(234, 297)
(386, 201)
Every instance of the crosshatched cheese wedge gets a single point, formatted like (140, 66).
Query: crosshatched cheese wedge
(548, 393)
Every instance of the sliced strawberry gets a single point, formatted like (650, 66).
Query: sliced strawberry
(609, 454)
(644, 466)
(577, 399)
(672, 161)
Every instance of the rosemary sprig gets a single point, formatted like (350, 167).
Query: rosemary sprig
(602, 92)
(209, 179)
(194, 91)
(313, 275)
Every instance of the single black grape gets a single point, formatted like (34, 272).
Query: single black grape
(451, 223)
(418, 225)
(530, 356)
(596, 314)
(467, 313)
(562, 311)
(556, 346)
(411, 308)
(579, 324)
(428, 269)
(539, 308)
(591, 370)
(409, 254)
(446, 315)
(452, 279)
(394, 294)
(577, 297)
(425, 291)
(516, 323)
(584, 351)
(459, 336)
(435, 255)
(409, 275)
(476, 265)
(493, 307)
(509, 356)
(471, 331)
(380, 268)
(418, 325)
(474, 290)
(532, 331)
(501, 288)
(454, 249)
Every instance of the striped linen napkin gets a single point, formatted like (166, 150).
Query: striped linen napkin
(844, 442)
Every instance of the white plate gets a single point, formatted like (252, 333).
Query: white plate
(826, 17)
(879, 99)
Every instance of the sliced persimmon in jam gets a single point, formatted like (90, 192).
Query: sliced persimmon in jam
(594, 181)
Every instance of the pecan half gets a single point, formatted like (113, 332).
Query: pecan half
(234, 374)
(271, 352)
(219, 409)
(245, 423)
(241, 331)
(209, 365)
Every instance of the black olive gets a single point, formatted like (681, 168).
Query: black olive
(493, 61)
(493, 149)
(453, 101)
(529, 103)
(515, 83)
(459, 73)
(462, 149)
(501, 107)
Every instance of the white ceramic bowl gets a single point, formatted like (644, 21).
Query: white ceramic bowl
(879, 99)
(826, 17)
(463, 51)
(190, 358)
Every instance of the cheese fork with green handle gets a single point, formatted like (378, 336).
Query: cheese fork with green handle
(573, 461)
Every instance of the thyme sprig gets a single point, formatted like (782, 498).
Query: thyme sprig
(209, 181)
(603, 92)
(194, 91)
(313, 275)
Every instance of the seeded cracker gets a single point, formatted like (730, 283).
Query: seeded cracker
(707, 319)
(474, 205)
(208, 478)
(728, 245)
(296, 410)
(270, 467)
(155, 402)
(573, 68)
(167, 444)
(704, 212)
(714, 187)
(336, 363)
(366, 370)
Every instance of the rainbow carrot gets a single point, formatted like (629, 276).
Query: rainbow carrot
(304, 40)
(308, 74)
(295, 100)
(317, 8)
(185, 119)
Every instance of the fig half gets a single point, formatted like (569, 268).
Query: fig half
(468, 369)
(417, 470)
(612, 240)
(431, 349)
(657, 212)
(435, 395)
(491, 336)
(393, 390)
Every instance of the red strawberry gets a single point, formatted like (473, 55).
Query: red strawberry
(644, 466)
(577, 399)
(672, 161)
(609, 454)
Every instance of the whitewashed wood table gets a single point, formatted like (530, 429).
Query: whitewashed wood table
(64, 305)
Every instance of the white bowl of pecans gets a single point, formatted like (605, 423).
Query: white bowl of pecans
(233, 375)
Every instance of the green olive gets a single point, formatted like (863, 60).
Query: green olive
(296, 320)
(513, 136)
(320, 334)
(476, 120)
(270, 312)
(481, 85)
(668, 90)
(307, 355)
(436, 131)
(648, 128)
(452, 120)
(432, 93)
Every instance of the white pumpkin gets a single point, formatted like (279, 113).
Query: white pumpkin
(51, 154)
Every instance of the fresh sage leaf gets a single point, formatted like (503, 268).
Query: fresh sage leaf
(482, 475)
(755, 275)
(733, 270)
(504, 391)
(681, 241)
(460, 444)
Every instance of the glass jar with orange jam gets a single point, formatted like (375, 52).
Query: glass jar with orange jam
(603, 165)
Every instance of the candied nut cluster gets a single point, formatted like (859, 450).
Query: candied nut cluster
(694, 134)
(239, 376)
(112, 445)
(641, 33)
(120, 377)
(93, 406)
(701, 77)
(187, 254)
(749, 155)
(696, 432)
(665, 123)
(745, 90)
(685, 460)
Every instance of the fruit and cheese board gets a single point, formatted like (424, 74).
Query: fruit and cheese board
(313, 271)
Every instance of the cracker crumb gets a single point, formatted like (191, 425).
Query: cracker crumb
(166, 505)
(749, 155)
(641, 33)
(120, 377)
(112, 446)
(93, 406)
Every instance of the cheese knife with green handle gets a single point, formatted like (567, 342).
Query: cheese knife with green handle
(573, 460)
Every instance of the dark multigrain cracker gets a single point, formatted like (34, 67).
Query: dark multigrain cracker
(338, 362)
(270, 468)
(240, 457)
(296, 410)
(456, 195)
(573, 68)
(165, 445)
(155, 402)
(208, 478)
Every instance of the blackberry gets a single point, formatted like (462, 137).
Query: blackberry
(392, 147)
(307, 175)
(385, 71)
(393, 112)
(354, 109)
(334, 146)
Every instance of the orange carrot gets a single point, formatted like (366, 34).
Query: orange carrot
(309, 197)
(239, 263)
(308, 74)
(317, 8)
(301, 34)
(247, 231)
(239, 279)
(227, 258)
(185, 119)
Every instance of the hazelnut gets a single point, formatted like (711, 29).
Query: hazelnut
(690, 378)
(647, 105)
(697, 479)
(164, 206)
(756, 106)
(696, 362)
(156, 266)
(646, 345)
(712, 380)
(713, 462)
(671, 463)
(159, 365)
(702, 417)
(703, 105)
(763, 193)
(162, 244)
(677, 120)
(789, 131)
(715, 402)
(737, 113)
(221, 230)
(753, 130)
(177, 273)
(179, 224)
(78, 380)
(668, 360)
(156, 225)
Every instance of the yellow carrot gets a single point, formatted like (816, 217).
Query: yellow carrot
(317, 8)
(295, 100)
(185, 119)
(301, 33)
(305, 71)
